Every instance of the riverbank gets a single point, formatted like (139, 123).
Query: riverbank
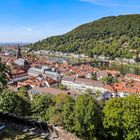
(136, 65)
(123, 67)
(114, 65)
(83, 59)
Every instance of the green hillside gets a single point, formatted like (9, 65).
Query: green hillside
(110, 36)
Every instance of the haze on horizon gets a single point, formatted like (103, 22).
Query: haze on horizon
(33, 20)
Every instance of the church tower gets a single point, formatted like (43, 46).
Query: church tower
(19, 55)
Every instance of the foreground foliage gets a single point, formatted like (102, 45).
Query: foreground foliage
(116, 119)
(4, 75)
(122, 118)
(39, 105)
(12, 103)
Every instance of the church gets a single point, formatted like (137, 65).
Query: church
(20, 62)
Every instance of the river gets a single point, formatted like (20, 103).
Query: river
(123, 68)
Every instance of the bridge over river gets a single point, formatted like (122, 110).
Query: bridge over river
(99, 63)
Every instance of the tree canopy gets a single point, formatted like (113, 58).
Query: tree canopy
(115, 119)
(86, 117)
(55, 112)
(122, 118)
(4, 75)
(12, 103)
(109, 36)
(39, 105)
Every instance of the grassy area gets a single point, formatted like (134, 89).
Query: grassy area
(13, 134)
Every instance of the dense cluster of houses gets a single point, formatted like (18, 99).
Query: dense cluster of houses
(42, 76)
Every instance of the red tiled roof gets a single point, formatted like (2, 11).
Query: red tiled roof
(129, 90)
(109, 88)
(51, 81)
(88, 82)
(113, 72)
(69, 78)
(118, 86)
(132, 76)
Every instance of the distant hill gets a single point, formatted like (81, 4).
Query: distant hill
(110, 36)
(13, 44)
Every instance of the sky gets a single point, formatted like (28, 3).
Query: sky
(33, 20)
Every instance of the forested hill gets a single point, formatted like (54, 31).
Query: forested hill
(110, 36)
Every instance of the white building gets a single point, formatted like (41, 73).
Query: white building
(82, 84)
(44, 71)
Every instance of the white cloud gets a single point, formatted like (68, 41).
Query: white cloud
(29, 29)
(114, 3)
(33, 33)
(109, 3)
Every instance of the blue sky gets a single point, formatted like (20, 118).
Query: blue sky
(33, 20)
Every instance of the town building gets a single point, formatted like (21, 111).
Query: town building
(132, 77)
(82, 84)
(45, 71)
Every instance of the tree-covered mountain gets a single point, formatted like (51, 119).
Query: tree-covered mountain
(110, 36)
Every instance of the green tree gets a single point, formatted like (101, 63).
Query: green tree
(94, 76)
(55, 111)
(12, 103)
(61, 87)
(67, 113)
(122, 118)
(39, 105)
(22, 93)
(86, 117)
(4, 75)
(109, 79)
(97, 93)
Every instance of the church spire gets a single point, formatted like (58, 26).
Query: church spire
(19, 55)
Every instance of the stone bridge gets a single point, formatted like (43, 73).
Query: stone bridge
(100, 63)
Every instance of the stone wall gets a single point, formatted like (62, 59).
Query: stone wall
(64, 135)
